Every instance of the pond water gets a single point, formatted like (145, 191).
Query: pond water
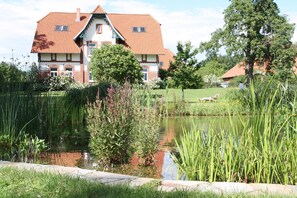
(164, 167)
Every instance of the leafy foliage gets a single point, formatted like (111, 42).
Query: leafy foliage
(184, 68)
(212, 67)
(148, 117)
(10, 73)
(256, 31)
(111, 126)
(122, 123)
(114, 63)
(57, 83)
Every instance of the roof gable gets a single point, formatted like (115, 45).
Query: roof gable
(99, 10)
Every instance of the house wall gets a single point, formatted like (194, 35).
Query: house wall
(153, 70)
(77, 69)
(61, 57)
(45, 57)
(151, 58)
(91, 35)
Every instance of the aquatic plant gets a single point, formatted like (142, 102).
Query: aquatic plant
(259, 149)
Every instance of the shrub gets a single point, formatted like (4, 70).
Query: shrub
(147, 136)
(22, 148)
(111, 125)
(235, 81)
(156, 84)
(58, 83)
(121, 123)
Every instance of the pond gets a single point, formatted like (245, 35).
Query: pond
(74, 152)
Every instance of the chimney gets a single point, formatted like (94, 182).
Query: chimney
(77, 15)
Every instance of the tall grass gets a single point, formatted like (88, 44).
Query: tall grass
(260, 149)
(25, 113)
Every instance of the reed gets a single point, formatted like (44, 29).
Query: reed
(259, 149)
(27, 114)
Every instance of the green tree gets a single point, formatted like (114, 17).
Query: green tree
(184, 69)
(114, 63)
(255, 30)
(10, 73)
(212, 67)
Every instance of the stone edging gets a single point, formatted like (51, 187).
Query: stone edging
(165, 185)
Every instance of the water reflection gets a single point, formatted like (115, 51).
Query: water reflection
(164, 166)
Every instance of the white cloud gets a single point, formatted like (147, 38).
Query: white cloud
(18, 20)
(194, 25)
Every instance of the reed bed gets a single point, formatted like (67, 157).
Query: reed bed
(260, 149)
(27, 113)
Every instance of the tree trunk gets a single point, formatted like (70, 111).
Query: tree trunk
(249, 70)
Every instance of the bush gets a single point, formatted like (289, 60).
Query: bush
(58, 83)
(156, 84)
(121, 123)
(22, 148)
(111, 126)
(147, 137)
(235, 81)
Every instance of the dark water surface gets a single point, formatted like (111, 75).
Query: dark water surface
(74, 151)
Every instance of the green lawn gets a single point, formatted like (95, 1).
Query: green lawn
(191, 95)
(24, 183)
(193, 104)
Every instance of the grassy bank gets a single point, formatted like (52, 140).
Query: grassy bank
(200, 102)
(191, 95)
(23, 183)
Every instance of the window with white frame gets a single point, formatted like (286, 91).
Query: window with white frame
(98, 28)
(69, 72)
(90, 76)
(54, 72)
(145, 75)
(91, 47)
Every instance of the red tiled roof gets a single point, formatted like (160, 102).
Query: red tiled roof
(239, 70)
(149, 42)
(99, 10)
(166, 58)
(47, 40)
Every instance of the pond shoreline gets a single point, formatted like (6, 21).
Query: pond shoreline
(164, 185)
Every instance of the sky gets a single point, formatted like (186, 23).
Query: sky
(187, 20)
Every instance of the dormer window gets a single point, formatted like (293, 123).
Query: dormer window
(61, 28)
(138, 29)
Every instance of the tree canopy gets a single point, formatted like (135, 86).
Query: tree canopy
(114, 63)
(184, 69)
(10, 73)
(255, 30)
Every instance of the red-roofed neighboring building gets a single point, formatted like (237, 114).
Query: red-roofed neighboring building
(239, 70)
(64, 41)
(166, 58)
